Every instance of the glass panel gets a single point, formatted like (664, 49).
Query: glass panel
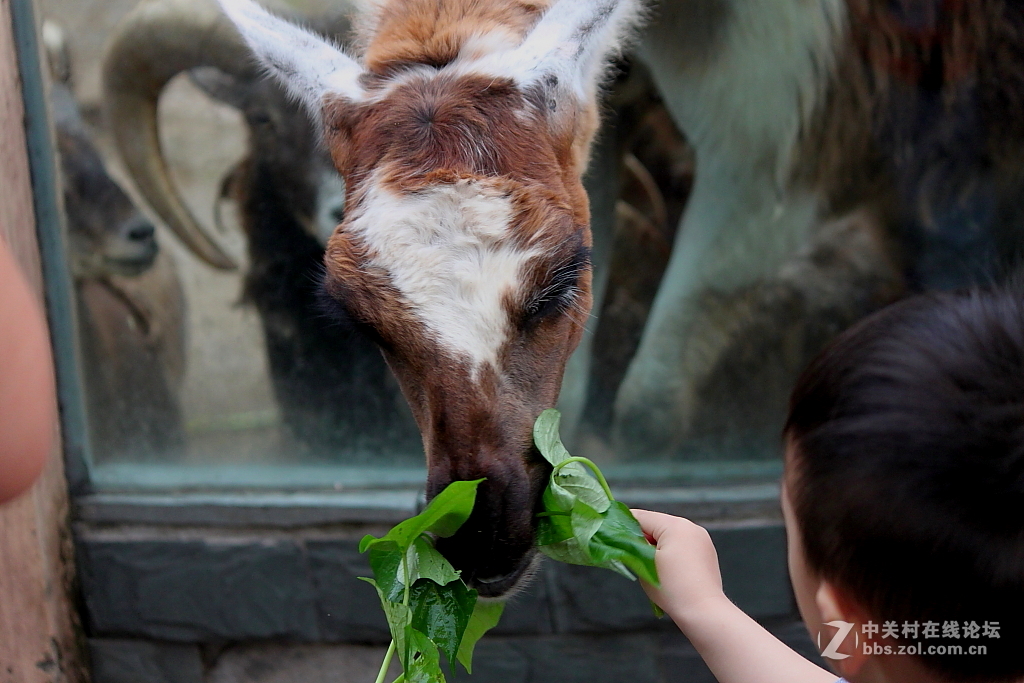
(193, 374)
(753, 193)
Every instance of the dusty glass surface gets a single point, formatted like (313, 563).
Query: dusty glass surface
(755, 191)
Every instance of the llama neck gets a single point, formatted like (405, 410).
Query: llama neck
(744, 87)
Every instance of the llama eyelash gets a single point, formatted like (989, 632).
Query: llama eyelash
(553, 299)
(562, 291)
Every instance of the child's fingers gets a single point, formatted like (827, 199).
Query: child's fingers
(654, 524)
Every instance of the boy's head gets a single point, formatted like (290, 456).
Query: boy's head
(905, 479)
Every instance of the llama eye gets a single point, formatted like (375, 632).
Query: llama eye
(561, 290)
(557, 297)
(345, 320)
(544, 308)
(334, 308)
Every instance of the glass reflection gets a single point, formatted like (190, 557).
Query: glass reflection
(767, 197)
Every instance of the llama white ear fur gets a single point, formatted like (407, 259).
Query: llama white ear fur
(570, 46)
(307, 65)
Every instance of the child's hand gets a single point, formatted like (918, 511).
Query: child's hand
(736, 648)
(691, 581)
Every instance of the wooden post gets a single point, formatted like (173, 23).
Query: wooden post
(40, 638)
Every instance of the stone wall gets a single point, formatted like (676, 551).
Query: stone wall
(186, 606)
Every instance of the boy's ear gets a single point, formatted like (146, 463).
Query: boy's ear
(842, 645)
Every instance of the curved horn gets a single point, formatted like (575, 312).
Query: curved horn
(156, 41)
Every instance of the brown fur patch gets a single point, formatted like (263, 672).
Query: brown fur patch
(471, 125)
(433, 132)
(434, 32)
(367, 294)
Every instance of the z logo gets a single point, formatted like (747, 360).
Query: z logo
(832, 650)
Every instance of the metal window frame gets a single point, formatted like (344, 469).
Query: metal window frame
(52, 235)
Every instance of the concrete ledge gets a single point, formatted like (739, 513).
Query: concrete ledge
(191, 586)
(198, 590)
(139, 661)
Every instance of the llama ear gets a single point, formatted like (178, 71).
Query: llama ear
(309, 66)
(569, 48)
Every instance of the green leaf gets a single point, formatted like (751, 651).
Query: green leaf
(442, 613)
(556, 524)
(572, 481)
(386, 563)
(586, 521)
(597, 531)
(568, 551)
(557, 539)
(423, 664)
(486, 615)
(621, 540)
(443, 516)
(568, 537)
(545, 435)
(553, 529)
(557, 535)
(424, 562)
(437, 613)
(367, 541)
(399, 618)
(429, 564)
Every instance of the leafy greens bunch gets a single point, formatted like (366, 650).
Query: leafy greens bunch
(582, 523)
(428, 607)
(431, 610)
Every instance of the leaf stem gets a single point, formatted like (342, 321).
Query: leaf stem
(593, 468)
(387, 662)
(405, 601)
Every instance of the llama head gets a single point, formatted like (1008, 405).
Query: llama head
(465, 246)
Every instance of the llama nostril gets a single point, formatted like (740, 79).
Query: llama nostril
(141, 232)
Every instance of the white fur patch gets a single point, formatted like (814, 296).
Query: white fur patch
(448, 251)
(481, 45)
(568, 49)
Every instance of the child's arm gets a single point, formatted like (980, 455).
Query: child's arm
(734, 646)
(27, 403)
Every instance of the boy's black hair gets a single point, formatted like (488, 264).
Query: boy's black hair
(908, 472)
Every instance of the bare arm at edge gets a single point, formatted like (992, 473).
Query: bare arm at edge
(27, 400)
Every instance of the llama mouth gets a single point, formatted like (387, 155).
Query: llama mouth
(502, 585)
